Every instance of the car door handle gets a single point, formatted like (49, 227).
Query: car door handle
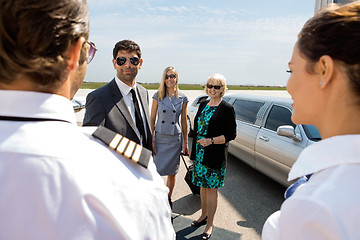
(264, 138)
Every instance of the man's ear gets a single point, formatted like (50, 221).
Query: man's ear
(74, 53)
(326, 70)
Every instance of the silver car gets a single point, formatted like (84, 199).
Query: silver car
(78, 104)
(266, 139)
(192, 110)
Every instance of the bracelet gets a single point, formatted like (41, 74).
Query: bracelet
(212, 141)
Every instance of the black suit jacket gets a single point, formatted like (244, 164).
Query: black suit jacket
(222, 122)
(105, 106)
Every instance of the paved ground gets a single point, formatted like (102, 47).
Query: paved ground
(245, 202)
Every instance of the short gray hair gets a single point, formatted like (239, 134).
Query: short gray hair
(218, 78)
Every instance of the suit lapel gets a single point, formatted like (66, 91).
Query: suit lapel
(171, 103)
(177, 100)
(167, 102)
(144, 100)
(120, 103)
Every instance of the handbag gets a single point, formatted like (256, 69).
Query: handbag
(188, 177)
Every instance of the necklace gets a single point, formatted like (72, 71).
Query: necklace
(171, 95)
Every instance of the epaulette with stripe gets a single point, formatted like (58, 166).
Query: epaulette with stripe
(123, 145)
(296, 185)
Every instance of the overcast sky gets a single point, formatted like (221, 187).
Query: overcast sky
(249, 42)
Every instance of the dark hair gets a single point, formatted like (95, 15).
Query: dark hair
(334, 32)
(127, 45)
(36, 34)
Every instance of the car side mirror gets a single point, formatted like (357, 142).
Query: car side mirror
(288, 131)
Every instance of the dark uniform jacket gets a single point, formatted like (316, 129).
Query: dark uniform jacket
(105, 106)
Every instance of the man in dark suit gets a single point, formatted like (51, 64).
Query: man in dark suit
(122, 105)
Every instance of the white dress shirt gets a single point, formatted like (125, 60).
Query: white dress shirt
(328, 205)
(127, 96)
(58, 182)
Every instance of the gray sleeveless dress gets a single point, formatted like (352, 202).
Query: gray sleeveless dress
(168, 134)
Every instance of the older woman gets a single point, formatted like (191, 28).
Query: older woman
(169, 136)
(325, 86)
(215, 126)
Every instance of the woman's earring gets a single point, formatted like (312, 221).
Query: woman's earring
(320, 83)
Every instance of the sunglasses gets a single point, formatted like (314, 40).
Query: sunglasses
(122, 60)
(217, 87)
(92, 51)
(170, 76)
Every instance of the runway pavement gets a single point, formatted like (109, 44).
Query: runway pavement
(246, 200)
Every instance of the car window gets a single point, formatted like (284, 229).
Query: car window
(247, 110)
(202, 99)
(278, 116)
(199, 100)
(226, 99)
(312, 132)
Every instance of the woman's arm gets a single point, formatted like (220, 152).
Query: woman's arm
(184, 127)
(214, 140)
(227, 122)
(154, 108)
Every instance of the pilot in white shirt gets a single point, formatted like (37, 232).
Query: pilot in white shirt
(88, 191)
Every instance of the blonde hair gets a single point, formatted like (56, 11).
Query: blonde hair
(218, 78)
(161, 93)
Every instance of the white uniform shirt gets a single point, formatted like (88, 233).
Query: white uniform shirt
(58, 183)
(328, 206)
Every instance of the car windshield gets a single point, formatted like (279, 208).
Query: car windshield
(312, 132)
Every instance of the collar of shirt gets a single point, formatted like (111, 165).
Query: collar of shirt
(36, 105)
(327, 153)
(124, 89)
(125, 92)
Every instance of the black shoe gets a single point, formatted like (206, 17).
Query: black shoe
(198, 224)
(206, 236)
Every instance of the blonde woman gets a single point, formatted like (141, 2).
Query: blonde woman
(169, 105)
(215, 126)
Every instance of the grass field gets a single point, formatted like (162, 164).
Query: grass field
(95, 85)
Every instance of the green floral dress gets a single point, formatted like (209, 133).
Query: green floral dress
(203, 176)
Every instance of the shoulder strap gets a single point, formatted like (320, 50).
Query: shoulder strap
(182, 157)
(123, 145)
(115, 141)
(296, 185)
